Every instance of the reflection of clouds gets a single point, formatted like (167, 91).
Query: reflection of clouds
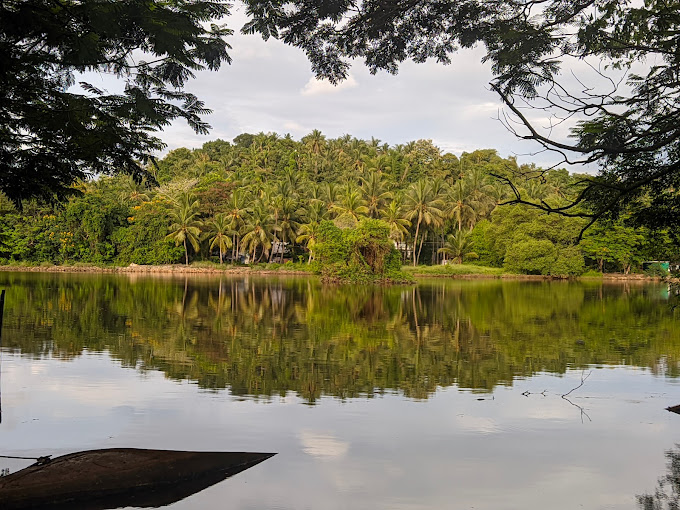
(38, 368)
(323, 446)
(477, 424)
(550, 411)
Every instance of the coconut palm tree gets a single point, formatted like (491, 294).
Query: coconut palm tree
(331, 194)
(289, 222)
(393, 215)
(220, 234)
(423, 206)
(186, 226)
(315, 143)
(134, 192)
(259, 231)
(458, 246)
(374, 194)
(238, 208)
(461, 204)
(309, 234)
(351, 207)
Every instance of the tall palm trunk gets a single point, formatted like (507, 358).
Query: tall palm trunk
(186, 252)
(415, 239)
(422, 240)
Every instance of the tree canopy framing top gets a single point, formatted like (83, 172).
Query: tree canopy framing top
(631, 130)
(51, 132)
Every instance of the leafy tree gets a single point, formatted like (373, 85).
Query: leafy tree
(53, 132)
(624, 116)
(144, 240)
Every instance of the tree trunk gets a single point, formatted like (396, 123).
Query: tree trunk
(220, 254)
(422, 240)
(186, 252)
(271, 253)
(415, 242)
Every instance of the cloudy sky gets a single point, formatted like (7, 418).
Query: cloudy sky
(270, 88)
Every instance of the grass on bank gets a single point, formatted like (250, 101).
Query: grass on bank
(453, 270)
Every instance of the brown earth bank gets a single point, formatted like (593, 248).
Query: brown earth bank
(181, 269)
(164, 269)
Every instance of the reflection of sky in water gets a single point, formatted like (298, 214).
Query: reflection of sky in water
(450, 451)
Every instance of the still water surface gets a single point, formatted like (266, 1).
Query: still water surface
(443, 395)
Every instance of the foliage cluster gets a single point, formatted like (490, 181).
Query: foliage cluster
(621, 106)
(55, 132)
(266, 198)
(364, 253)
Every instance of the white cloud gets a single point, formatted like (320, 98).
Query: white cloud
(316, 87)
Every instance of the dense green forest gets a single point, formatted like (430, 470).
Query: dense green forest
(269, 199)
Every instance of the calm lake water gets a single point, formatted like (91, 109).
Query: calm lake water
(443, 395)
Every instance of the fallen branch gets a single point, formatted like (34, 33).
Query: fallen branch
(583, 380)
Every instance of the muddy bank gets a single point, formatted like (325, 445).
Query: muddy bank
(178, 269)
(164, 269)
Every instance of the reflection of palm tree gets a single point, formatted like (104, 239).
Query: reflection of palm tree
(185, 226)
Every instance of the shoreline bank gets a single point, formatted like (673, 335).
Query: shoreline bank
(247, 270)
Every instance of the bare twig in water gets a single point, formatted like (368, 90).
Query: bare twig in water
(583, 380)
(584, 376)
(527, 393)
(583, 412)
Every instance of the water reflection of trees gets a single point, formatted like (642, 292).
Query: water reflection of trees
(266, 337)
(667, 493)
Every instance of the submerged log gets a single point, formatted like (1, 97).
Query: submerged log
(674, 409)
(117, 477)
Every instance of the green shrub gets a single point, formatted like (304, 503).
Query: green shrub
(361, 254)
(657, 270)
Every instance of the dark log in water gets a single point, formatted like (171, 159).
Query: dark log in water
(674, 409)
(114, 478)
